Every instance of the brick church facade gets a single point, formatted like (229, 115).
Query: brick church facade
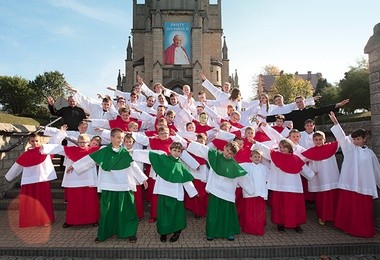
(155, 23)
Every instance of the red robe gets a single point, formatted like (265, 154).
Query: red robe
(36, 204)
(242, 156)
(82, 206)
(288, 208)
(325, 201)
(198, 204)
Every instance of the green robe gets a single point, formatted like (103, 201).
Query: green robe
(222, 219)
(117, 208)
(171, 215)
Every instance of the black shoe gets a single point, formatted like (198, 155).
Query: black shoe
(298, 229)
(231, 238)
(97, 240)
(209, 238)
(163, 238)
(175, 237)
(132, 239)
(65, 225)
(95, 224)
(281, 228)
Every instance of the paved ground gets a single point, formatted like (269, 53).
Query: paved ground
(55, 242)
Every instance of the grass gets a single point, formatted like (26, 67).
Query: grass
(12, 119)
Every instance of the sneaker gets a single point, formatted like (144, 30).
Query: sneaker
(132, 239)
(231, 238)
(298, 229)
(163, 238)
(320, 222)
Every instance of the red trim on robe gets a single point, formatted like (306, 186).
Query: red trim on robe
(172, 127)
(288, 163)
(158, 144)
(219, 144)
(123, 125)
(278, 128)
(31, 157)
(319, 153)
(236, 133)
(261, 137)
(247, 144)
(151, 133)
(201, 128)
(243, 155)
(237, 125)
(75, 153)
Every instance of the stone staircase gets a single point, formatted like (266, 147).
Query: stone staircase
(78, 242)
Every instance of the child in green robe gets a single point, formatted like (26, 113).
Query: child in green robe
(172, 179)
(117, 180)
(224, 177)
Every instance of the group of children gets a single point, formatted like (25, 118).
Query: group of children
(225, 174)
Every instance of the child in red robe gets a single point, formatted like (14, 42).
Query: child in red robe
(36, 204)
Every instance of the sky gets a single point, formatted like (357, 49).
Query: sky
(86, 40)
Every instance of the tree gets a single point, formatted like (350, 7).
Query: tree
(290, 86)
(49, 84)
(355, 86)
(267, 70)
(271, 70)
(28, 98)
(329, 93)
(16, 96)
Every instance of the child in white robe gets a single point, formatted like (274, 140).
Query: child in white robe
(253, 216)
(359, 176)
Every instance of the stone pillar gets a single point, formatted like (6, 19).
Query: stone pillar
(373, 50)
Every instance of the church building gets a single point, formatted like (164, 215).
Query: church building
(175, 41)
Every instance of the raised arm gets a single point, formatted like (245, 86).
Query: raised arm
(216, 92)
(198, 149)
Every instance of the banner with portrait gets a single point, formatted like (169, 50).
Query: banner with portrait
(177, 43)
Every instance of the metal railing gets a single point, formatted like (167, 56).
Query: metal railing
(25, 137)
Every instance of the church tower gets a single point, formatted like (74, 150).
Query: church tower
(195, 26)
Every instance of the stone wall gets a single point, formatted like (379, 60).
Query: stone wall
(372, 48)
